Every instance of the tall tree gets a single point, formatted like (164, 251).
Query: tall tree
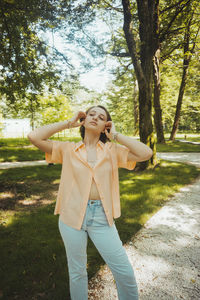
(143, 65)
(167, 25)
(188, 50)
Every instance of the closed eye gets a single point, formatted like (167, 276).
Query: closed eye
(92, 114)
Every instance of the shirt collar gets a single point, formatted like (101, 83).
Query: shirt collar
(80, 144)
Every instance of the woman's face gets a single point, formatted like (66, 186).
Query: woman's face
(96, 119)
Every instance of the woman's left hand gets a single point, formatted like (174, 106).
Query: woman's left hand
(110, 125)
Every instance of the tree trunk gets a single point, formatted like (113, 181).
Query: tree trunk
(32, 121)
(135, 108)
(179, 102)
(156, 98)
(156, 76)
(186, 62)
(143, 66)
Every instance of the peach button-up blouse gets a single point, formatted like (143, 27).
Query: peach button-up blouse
(77, 175)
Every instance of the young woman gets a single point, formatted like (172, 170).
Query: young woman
(88, 198)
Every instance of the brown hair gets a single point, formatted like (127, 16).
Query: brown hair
(103, 136)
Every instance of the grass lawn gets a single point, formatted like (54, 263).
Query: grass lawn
(191, 137)
(16, 149)
(177, 147)
(33, 261)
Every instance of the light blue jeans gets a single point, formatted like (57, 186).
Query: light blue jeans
(106, 240)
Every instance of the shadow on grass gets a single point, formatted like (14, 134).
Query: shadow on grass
(33, 258)
(34, 263)
(28, 186)
(143, 194)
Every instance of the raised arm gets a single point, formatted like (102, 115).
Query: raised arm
(39, 137)
(138, 150)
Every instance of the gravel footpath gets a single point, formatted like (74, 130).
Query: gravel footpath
(165, 253)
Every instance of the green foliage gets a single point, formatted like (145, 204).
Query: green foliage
(190, 117)
(53, 108)
(24, 58)
(28, 64)
(170, 81)
(1, 123)
(120, 99)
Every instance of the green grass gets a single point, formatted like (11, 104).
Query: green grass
(193, 138)
(177, 147)
(189, 136)
(24, 142)
(21, 149)
(20, 154)
(33, 261)
(14, 142)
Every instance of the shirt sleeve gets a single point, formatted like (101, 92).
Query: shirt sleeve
(122, 157)
(58, 150)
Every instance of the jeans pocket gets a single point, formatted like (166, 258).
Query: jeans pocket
(100, 218)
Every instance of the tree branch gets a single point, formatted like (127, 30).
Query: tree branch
(172, 6)
(127, 27)
(114, 8)
(164, 33)
(122, 54)
(164, 57)
(60, 54)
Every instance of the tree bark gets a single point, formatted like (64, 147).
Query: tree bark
(156, 76)
(156, 99)
(143, 65)
(135, 108)
(32, 121)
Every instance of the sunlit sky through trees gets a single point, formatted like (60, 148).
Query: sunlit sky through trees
(96, 78)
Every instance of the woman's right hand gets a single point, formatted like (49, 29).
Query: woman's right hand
(74, 121)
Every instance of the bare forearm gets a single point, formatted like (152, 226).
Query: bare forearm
(138, 149)
(43, 133)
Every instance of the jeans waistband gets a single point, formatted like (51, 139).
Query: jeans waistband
(94, 202)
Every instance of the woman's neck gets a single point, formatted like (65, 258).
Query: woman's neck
(90, 140)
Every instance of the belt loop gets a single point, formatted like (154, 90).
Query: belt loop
(97, 202)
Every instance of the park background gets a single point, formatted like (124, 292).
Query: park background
(141, 60)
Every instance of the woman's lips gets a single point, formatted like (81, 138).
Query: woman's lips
(94, 123)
